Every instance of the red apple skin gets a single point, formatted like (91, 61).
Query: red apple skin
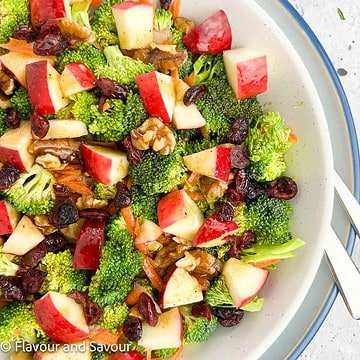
(83, 74)
(223, 164)
(126, 5)
(151, 96)
(213, 228)
(174, 203)
(6, 227)
(43, 10)
(212, 36)
(54, 324)
(11, 157)
(131, 355)
(88, 246)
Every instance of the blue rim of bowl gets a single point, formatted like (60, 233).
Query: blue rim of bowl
(324, 311)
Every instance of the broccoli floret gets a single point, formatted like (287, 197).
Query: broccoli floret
(144, 206)
(61, 275)
(145, 283)
(160, 174)
(119, 265)
(104, 192)
(268, 141)
(188, 66)
(7, 267)
(208, 66)
(218, 294)
(12, 14)
(33, 192)
(20, 100)
(97, 355)
(113, 316)
(195, 146)
(3, 126)
(220, 252)
(18, 323)
(177, 36)
(80, 13)
(163, 19)
(120, 68)
(85, 53)
(165, 353)
(196, 329)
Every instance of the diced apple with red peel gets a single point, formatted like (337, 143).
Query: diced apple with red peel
(158, 94)
(105, 165)
(65, 353)
(130, 355)
(212, 36)
(76, 78)
(243, 280)
(65, 129)
(9, 218)
(179, 215)
(134, 23)
(43, 10)
(180, 288)
(61, 318)
(214, 232)
(166, 334)
(185, 117)
(15, 63)
(13, 147)
(214, 163)
(24, 238)
(148, 232)
(246, 71)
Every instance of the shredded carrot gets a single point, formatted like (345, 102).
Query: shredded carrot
(177, 355)
(3, 303)
(175, 8)
(193, 179)
(129, 219)
(293, 138)
(137, 228)
(266, 263)
(102, 336)
(133, 297)
(195, 195)
(19, 46)
(152, 274)
(190, 80)
(122, 337)
(143, 249)
(175, 74)
(96, 3)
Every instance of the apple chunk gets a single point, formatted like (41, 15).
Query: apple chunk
(246, 71)
(180, 288)
(24, 238)
(80, 351)
(61, 318)
(43, 10)
(214, 162)
(166, 334)
(105, 165)
(243, 280)
(134, 24)
(9, 218)
(179, 215)
(148, 232)
(43, 83)
(65, 129)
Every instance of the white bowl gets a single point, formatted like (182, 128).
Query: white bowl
(293, 94)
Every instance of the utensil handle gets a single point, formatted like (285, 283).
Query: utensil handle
(345, 272)
(349, 202)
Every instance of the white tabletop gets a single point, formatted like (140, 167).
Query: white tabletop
(339, 337)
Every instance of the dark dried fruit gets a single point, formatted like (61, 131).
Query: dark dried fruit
(49, 28)
(239, 243)
(61, 191)
(39, 125)
(93, 313)
(123, 196)
(80, 297)
(165, 4)
(8, 175)
(13, 119)
(34, 256)
(32, 281)
(135, 155)
(64, 213)
(255, 189)
(132, 328)
(193, 94)
(94, 214)
(111, 89)
(27, 32)
(50, 40)
(238, 131)
(239, 157)
(55, 242)
(147, 309)
(202, 309)
(11, 288)
(224, 211)
(247, 239)
(283, 188)
(229, 317)
(234, 197)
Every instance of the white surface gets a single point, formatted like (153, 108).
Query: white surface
(339, 337)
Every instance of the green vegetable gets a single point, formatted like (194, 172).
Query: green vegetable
(163, 20)
(80, 13)
(20, 100)
(97, 355)
(165, 353)
(104, 192)
(144, 206)
(119, 265)
(114, 316)
(208, 66)
(33, 192)
(218, 294)
(61, 275)
(195, 146)
(219, 252)
(7, 267)
(341, 14)
(3, 126)
(268, 141)
(255, 305)
(145, 283)
(188, 66)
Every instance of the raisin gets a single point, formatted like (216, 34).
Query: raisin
(93, 312)
(34, 256)
(238, 131)
(202, 309)
(165, 4)
(132, 328)
(94, 214)
(234, 197)
(111, 89)
(80, 297)
(147, 309)
(224, 211)
(8, 175)
(13, 119)
(55, 242)
(123, 196)
(39, 125)
(283, 188)
(135, 155)
(239, 157)
(50, 40)
(247, 239)
(229, 317)
(255, 189)
(49, 28)
(27, 32)
(11, 288)
(64, 213)
(61, 191)
(193, 94)
(32, 281)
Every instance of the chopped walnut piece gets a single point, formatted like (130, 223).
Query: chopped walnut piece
(76, 32)
(42, 222)
(213, 189)
(72, 231)
(153, 133)
(183, 24)
(169, 254)
(89, 202)
(7, 84)
(50, 162)
(5, 102)
(163, 37)
(188, 262)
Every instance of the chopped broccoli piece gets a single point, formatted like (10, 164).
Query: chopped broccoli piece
(218, 294)
(145, 283)
(219, 252)
(163, 20)
(85, 53)
(18, 322)
(113, 316)
(120, 68)
(20, 100)
(119, 265)
(104, 192)
(3, 126)
(188, 66)
(12, 14)
(165, 353)
(177, 36)
(195, 146)
(268, 141)
(144, 206)
(80, 13)
(196, 329)
(61, 275)
(97, 355)
(255, 305)
(7, 267)
(208, 66)
(33, 192)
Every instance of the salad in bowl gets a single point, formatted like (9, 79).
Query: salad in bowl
(143, 196)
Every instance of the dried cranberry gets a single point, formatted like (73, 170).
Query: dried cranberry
(283, 188)
(247, 239)
(202, 309)
(80, 297)
(61, 191)
(32, 281)
(239, 243)
(135, 156)
(239, 157)
(241, 182)
(193, 94)
(13, 119)
(8, 175)
(27, 32)
(55, 242)
(111, 89)
(123, 196)
(224, 211)
(11, 288)
(255, 189)
(229, 317)
(93, 214)
(238, 131)
(50, 27)
(93, 313)
(34, 256)
(21, 271)
(64, 213)
(147, 309)
(50, 40)
(234, 196)
(132, 328)
(39, 125)
(165, 4)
